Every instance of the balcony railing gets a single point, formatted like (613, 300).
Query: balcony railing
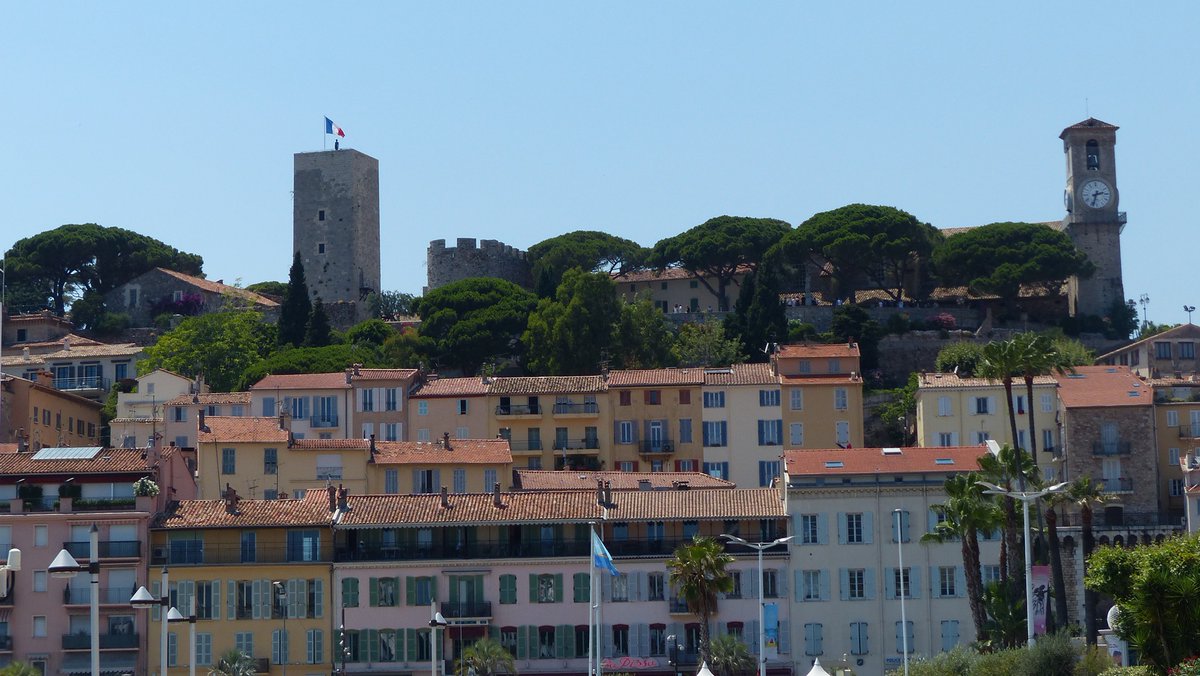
(1189, 431)
(103, 504)
(525, 445)
(519, 409)
(1120, 518)
(1112, 448)
(571, 407)
(263, 553)
(109, 549)
(678, 606)
(576, 444)
(82, 383)
(1121, 485)
(107, 641)
(108, 595)
(467, 609)
(318, 421)
(661, 445)
(508, 550)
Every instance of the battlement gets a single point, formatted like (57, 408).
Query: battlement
(487, 258)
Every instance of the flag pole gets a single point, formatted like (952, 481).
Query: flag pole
(598, 600)
(324, 134)
(591, 600)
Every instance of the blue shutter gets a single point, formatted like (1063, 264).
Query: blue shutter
(823, 575)
(841, 517)
(868, 522)
(960, 582)
(822, 528)
(268, 407)
(869, 582)
(889, 583)
(844, 583)
(914, 582)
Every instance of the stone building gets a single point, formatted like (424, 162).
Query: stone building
(162, 291)
(491, 258)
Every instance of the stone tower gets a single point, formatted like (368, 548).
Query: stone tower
(335, 227)
(1093, 222)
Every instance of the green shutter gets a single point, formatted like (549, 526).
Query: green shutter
(561, 644)
(410, 590)
(533, 588)
(374, 585)
(534, 646)
(454, 580)
(410, 644)
(477, 587)
(433, 595)
(558, 588)
(522, 642)
(372, 638)
(493, 632)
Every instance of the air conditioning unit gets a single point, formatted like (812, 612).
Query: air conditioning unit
(667, 448)
(159, 554)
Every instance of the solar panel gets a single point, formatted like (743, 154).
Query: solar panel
(68, 453)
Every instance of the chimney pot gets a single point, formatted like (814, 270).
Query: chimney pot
(331, 493)
(446, 441)
(496, 495)
(445, 499)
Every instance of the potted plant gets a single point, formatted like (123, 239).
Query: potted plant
(145, 488)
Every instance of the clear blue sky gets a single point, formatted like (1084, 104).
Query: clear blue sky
(520, 121)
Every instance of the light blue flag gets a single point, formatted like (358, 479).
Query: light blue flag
(600, 556)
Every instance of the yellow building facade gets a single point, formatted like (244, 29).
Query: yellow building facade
(461, 465)
(1177, 434)
(656, 420)
(955, 411)
(821, 394)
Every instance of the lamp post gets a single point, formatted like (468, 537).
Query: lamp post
(435, 621)
(899, 514)
(66, 567)
(144, 599)
(173, 616)
(762, 630)
(1025, 497)
(281, 595)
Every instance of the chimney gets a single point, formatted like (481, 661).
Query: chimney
(607, 492)
(349, 376)
(343, 498)
(446, 441)
(25, 353)
(371, 458)
(644, 485)
(445, 499)
(66, 342)
(331, 494)
(496, 495)
(200, 420)
(357, 368)
(599, 491)
(283, 420)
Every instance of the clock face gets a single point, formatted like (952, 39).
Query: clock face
(1095, 194)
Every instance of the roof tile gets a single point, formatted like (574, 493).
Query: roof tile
(568, 480)
(546, 385)
(741, 374)
(451, 387)
(1103, 386)
(910, 459)
(461, 452)
(303, 381)
(109, 460)
(222, 429)
(656, 377)
(312, 510)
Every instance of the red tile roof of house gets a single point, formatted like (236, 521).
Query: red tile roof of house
(567, 480)
(461, 452)
(656, 377)
(14, 466)
(303, 381)
(1103, 386)
(368, 511)
(312, 510)
(451, 387)
(831, 379)
(210, 399)
(219, 288)
(741, 374)
(818, 350)
(384, 374)
(949, 380)
(223, 429)
(909, 460)
(546, 385)
(74, 352)
(665, 275)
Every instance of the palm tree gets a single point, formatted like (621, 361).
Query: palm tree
(699, 572)
(1086, 495)
(1052, 501)
(485, 657)
(1001, 361)
(234, 662)
(1001, 469)
(964, 513)
(19, 669)
(730, 656)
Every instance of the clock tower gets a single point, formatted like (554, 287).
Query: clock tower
(1093, 222)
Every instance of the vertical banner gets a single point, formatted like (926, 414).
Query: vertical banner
(1041, 595)
(770, 630)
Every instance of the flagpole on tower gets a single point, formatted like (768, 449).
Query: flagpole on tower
(592, 632)
(324, 134)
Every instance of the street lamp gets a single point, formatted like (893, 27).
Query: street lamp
(66, 567)
(762, 629)
(1025, 497)
(144, 599)
(435, 621)
(281, 596)
(173, 616)
(899, 514)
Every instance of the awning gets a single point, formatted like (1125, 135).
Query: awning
(116, 663)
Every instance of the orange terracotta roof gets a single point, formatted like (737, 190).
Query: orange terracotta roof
(210, 399)
(13, 466)
(224, 429)
(948, 380)
(741, 374)
(312, 510)
(818, 350)
(656, 377)
(74, 338)
(843, 461)
(369, 511)
(76, 352)
(9, 448)
(664, 275)
(219, 288)
(831, 379)
(331, 444)
(462, 452)
(546, 385)
(1090, 123)
(384, 374)
(451, 387)
(303, 381)
(1182, 331)
(1103, 386)
(567, 480)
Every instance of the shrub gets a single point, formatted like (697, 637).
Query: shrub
(1127, 671)
(899, 324)
(944, 321)
(1052, 654)
(145, 487)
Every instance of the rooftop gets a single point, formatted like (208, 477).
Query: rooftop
(951, 380)
(818, 351)
(451, 387)
(312, 510)
(567, 480)
(907, 460)
(384, 374)
(74, 461)
(303, 381)
(655, 377)
(221, 429)
(741, 374)
(1103, 386)
(219, 288)
(1183, 331)
(210, 399)
(545, 385)
(461, 452)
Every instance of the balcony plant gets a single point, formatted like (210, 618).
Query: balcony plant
(145, 487)
(70, 490)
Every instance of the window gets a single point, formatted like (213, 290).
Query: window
(626, 398)
(806, 366)
(735, 590)
(1173, 457)
(391, 481)
(367, 400)
(462, 407)
(854, 529)
(990, 573)
(856, 584)
(625, 432)
(905, 638)
(460, 480)
(714, 400)
(858, 638)
(652, 397)
(947, 580)
(391, 401)
(982, 406)
(796, 398)
(545, 643)
(315, 648)
(945, 408)
(385, 592)
(228, 461)
(40, 534)
(770, 584)
(424, 481)
(947, 439)
(767, 471)
(714, 432)
(768, 398)
(796, 434)
(304, 545)
(949, 634)
(1019, 404)
(1176, 487)
(39, 626)
(489, 480)
(685, 397)
(320, 214)
(842, 433)
(812, 639)
(204, 649)
(350, 592)
(422, 408)
(840, 399)
(39, 580)
(656, 587)
(685, 430)
(329, 467)
(249, 547)
(270, 461)
(423, 434)
(811, 586)
(1162, 350)
(244, 641)
(508, 639)
(902, 583)
(1187, 350)
(981, 437)
(391, 431)
(658, 640)
(1047, 403)
(547, 585)
(809, 529)
(770, 432)
(179, 413)
(619, 588)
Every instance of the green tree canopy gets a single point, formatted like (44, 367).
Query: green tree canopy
(473, 320)
(699, 570)
(316, 330)
(720, 249)
(55, 267)
(407, 349)
(1000, 258)
(588, 250)
(642, 338)
(220, 345)
(758, 318)
(961, 357)
(569, 334)
(485, 657)
(705, 344)
(325, 359)
(390, 304)
(371, 332)
(277, 289)
(863, 246)
(296, 308)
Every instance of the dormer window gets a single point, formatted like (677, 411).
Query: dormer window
(1093, 155)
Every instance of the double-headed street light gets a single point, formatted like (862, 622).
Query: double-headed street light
(436, 621)
(1025, 497)
(144, 599)
(762, 629)
(66, 567)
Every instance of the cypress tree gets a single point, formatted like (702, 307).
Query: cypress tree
(316, 332)
(296, 308)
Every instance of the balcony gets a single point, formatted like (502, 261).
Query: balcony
(319, 422)
(1120, 485)
(576, 444)
(108, 596)
(661, 445)
(679, 607)
(588, 408)
(109, 549)
(475, 550)
(103, 504)
(1189, 431)
(265, 552)
(107, 641)
(519, 409)
(518, 445)
(82, 383)
(1112, 448)
(465, 609)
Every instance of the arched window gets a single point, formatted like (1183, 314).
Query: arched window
(1093, 155)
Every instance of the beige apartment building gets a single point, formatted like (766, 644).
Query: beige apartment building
(1177, 434)
(553, 421)
(821, 394)
(957, 411)
(458, 465)
(36, 415)
(655, 413)
(743, 421)
(457, 406)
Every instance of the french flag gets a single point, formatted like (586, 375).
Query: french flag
(331, 128)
